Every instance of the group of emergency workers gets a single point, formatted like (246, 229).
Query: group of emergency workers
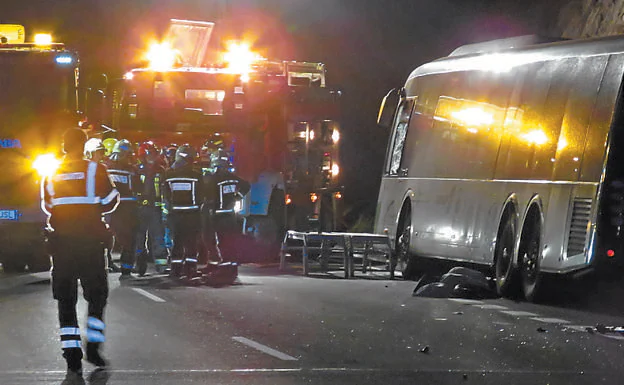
(177, 206)
(139, 193)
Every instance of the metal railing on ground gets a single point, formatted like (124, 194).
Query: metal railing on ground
(363, 247)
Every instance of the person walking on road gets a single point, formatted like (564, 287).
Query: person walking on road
(75, 198)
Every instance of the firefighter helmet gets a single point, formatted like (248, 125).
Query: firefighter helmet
(122, 150)
(109, 144)
(169, 153)
(92, 146)
(148, 152)
(187, 153)
(74, 141)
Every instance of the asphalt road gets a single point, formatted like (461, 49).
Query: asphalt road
(274, 328)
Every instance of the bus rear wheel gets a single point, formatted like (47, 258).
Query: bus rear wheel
(406, 262)
(530, 262)
(506, 273)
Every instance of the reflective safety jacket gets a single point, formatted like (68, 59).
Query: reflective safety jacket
(224, 189)
(183, 189)
(126, 180)
(149, 193)
(76, 197)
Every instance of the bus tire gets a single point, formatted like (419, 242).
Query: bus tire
(529, 257)
(507, 279)
(406, 261)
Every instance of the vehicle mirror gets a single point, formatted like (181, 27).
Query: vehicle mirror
(388, 108)
(95, 100)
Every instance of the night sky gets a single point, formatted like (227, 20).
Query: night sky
(369, 46)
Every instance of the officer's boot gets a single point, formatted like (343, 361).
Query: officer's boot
(190, 268)
(73, 357)
(93, 355)
(141, 264)
(176, 268)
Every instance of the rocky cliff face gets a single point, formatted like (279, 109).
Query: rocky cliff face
(588, 18)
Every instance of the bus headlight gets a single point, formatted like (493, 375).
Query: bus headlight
(46, 165)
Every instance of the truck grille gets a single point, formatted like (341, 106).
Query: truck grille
(581, 213)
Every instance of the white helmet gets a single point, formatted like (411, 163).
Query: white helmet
(91, 146)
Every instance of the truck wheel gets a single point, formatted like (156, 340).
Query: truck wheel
(530, 261)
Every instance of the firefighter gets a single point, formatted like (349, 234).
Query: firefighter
(75, 198)
(225, 192)
(184, 193)
(168, 156)
(151, 228)
(123, 173)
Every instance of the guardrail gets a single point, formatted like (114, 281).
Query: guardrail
(350, 244)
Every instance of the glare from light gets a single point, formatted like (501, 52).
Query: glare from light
(161, 56)
(245, 78)
(288, 199)
(64, 59)
(128, 75)
(311, 135)
(313, 197)
(473, 116)
(473, 130)
(335, 136)
(302, 134)
(537, 137)
(46, 165)
(335, 170)
(240, 58)
(43, 39)
(338, 195)
(563, 143)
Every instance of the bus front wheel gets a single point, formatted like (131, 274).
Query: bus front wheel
(406, 262)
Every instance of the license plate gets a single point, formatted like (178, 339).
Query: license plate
(9, 215)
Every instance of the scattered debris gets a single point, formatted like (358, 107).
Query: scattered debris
(465, 376)
(590, 330)
(458, 313)
(459, 282)
(541, 330)
(425, 350)
(602, 329)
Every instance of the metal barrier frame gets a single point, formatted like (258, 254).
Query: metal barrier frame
(347, 240)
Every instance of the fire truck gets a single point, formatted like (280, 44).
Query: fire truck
(278, 122)
(40, 98)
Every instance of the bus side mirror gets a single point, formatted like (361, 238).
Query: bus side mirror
(388, 109)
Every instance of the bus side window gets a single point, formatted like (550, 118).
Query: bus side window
(400, 134)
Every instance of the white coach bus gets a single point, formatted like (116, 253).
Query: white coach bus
(509, 154)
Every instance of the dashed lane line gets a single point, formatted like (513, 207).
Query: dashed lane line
(264, 349)
(491, 307)
(517, 313)
(467, 301)
(149, 295)
(550, 320)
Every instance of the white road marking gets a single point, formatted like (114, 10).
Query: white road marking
(148, 295)
(491, 307)
(466, 301)
(441, 319)
(515, 313)
(264, 349)
(578, 328)
(550, 320)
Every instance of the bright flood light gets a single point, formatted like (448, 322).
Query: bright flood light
(46, 165)
(43, 39)
(161, 56)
